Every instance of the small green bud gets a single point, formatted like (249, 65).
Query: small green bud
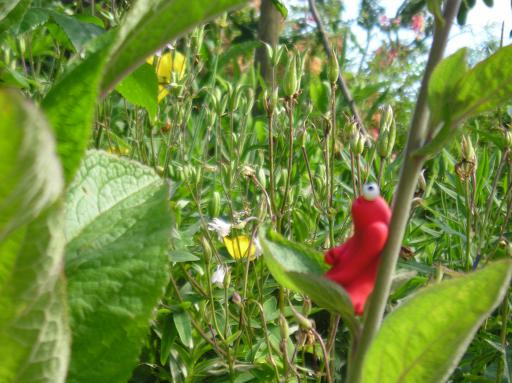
(227, 279)
(262, 179)
(387, 133)
(306, 307)
(283, 327)
(291, 83)
(333, 69)
(508, 139)
(214, 205)
(468, 152)
(207, 250)
(357, 142)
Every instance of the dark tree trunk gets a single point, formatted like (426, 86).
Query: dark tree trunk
(268, 31)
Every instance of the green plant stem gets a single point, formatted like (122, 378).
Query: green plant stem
(505, 311)
(381, 171)
(290, 163)
(271, 164)
(353, 174)
(330, 211)
(411, 168)
(468, 225)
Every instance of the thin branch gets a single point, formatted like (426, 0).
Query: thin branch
(411, 168)
(341, 81)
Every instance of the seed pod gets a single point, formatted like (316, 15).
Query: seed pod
(214, 206)
(333, 68)
(283, 327)
(306, 307)
(207, 250)
(262, 179)
(508, 139)
(387, 133)
(468, 152)
(357, 143)
(291, 86)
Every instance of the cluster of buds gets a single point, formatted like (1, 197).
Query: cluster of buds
(293, 76)
(387, 133)
(467, 166)
(357, 140)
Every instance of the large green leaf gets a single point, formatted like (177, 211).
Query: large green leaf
(152, 24)
(443, 82)
(486, 86)
(423, 339)
(301, 269)
(70, 107)
(34, 336)
(78, 32)
(7, 6)
(141, 88)
(117, 231)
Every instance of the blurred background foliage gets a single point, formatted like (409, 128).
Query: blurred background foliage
(209, 135)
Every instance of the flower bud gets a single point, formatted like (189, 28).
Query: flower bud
(261, 178)
(387, 133)
(291, 83)
(206, 249)
(468, 152)
(214, 205)
(508, 139)
(306, 307)
(283, 327)
(236, 298)
(422, 183)
(333, 68)
(304, 322)
(357, 142)
(227, 279)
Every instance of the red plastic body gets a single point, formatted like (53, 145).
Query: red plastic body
(355, 262)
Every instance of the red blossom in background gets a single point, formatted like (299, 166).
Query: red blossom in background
(418, 23)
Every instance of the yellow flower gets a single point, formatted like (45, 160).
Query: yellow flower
(167, 64)
(238, 247)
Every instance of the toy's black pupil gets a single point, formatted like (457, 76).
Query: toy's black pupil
(370, 187)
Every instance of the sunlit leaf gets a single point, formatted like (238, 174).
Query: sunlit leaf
(424, 338)
(118, 227)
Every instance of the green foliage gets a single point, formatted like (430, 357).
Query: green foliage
(141, 88)
(117, 232)
(300, 269)
(34, 336)
(147, 29)
(70, 106)
(424, 338)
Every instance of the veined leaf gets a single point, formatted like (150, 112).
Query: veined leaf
(423, 340)
(34, 336)
(117, 231)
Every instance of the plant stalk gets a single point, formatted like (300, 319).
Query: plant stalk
(410, 171)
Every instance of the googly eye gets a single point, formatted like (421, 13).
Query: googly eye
(371, 191)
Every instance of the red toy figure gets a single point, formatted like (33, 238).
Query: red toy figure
(355, 262)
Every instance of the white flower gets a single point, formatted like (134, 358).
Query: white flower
(258, 250)
(219, 275)
(221, 227)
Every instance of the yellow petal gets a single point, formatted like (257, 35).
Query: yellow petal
(168, 63)
(162, 92)
(237, 247)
